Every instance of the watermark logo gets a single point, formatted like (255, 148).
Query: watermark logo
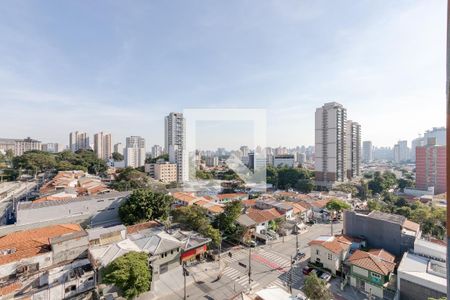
(253, 171)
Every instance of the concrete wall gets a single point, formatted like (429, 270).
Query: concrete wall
(413, 291)
(102, 209)
(379, 233)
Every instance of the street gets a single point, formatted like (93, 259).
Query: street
(270, 265)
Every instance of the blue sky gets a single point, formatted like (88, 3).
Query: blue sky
(121, 66)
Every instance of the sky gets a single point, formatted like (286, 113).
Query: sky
(121, 66)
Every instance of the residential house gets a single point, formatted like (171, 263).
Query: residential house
(224, 198)
(282, 207)
(184, 199)
(329, 252)
(45, 263)
(371, 271)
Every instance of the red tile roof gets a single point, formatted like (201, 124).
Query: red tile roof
(372, 262)
(410, 225)
(9, 288)
(335, 244)
(261, 216)
(29, 243)
(141, 226)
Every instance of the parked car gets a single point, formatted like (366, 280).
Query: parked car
(307, 270)
(325, 277)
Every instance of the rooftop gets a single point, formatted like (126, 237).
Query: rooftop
(378, 261)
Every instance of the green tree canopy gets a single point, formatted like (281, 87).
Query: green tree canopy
(81, 160)
(286, 178)
(35, 161)
(195, 218)
(117, 156)
(226, 221)
(129, 273)
(144, 205)
(129, 179)
(315, 288)
(305, 185)
(337, 205)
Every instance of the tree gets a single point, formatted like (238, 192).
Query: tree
(117, 156)
(347, 188)
(195, 218)
(129, 179)
(35, 161)
(337, 205)
(150, 160)
(404, 183)
(144, 205)
(316, 288)
(363, 190)
(226, 221)
(129, 273)
(373, 205)
(305, 185)
(382, 182)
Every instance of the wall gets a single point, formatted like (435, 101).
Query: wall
(332, 265)
(413, 291)
(102, 209)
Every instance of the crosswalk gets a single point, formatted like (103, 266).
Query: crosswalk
(282, 261)
(241, 254)
(239, 278)
(283, 281)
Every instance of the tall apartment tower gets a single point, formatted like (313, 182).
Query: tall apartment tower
(367, 151)
(118, 148)
(330, 144)
(353, 144)
(401, 152)
(157, 150)
(431, 166)
(175, 144)
(78, 140)
(134, 152)
(103, 145)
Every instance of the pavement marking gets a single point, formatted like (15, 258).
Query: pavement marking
(239, 278)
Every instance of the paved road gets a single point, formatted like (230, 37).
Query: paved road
(270, 266)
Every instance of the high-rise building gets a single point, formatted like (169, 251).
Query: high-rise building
(78, 140)
(118, 148)
(417, 142)
(367, 151)
(330, 142)
(52, 147)
(103, 145)
(134, 152)
(245, 150)
(431, 166)
(383, 153)
(157, 150)
(175, 143)
(401, 152)
(25, 145)
(353, 153)
(439, 133)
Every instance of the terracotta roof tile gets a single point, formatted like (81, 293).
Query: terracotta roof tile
(372, 262)
(141, 226)
(9, 288)
(260, 216)
(410, 225)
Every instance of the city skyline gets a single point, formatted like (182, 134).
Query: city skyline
(380, 60)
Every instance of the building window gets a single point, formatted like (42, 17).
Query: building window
(317, 251)
(330, 256)
(376, 276)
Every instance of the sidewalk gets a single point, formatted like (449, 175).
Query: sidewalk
(207, 271)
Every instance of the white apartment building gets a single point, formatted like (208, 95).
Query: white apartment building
(52, 147)
(367, 151)
(437, 132)
(353, 144)
(330, 144)
(401, 151)
(284, 160)
(118, 148)
(134, 152)
(175, 144)
(28, 144)
(157, 150)
(103, 145)
(78, 140)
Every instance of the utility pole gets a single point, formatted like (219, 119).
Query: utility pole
(184, 275)
(250, 268)
(290, 275)
(296, 242)
(448, 141)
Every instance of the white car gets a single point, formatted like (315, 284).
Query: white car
(325, 276)
(301, 296)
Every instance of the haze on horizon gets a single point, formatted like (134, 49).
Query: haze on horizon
(120, 68)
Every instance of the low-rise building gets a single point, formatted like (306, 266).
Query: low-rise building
(422, 272)
(394, 233)
(99, 210)
(163, 171)
(284, 160)
(329, 252)
(46, 263)
(371, 271)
